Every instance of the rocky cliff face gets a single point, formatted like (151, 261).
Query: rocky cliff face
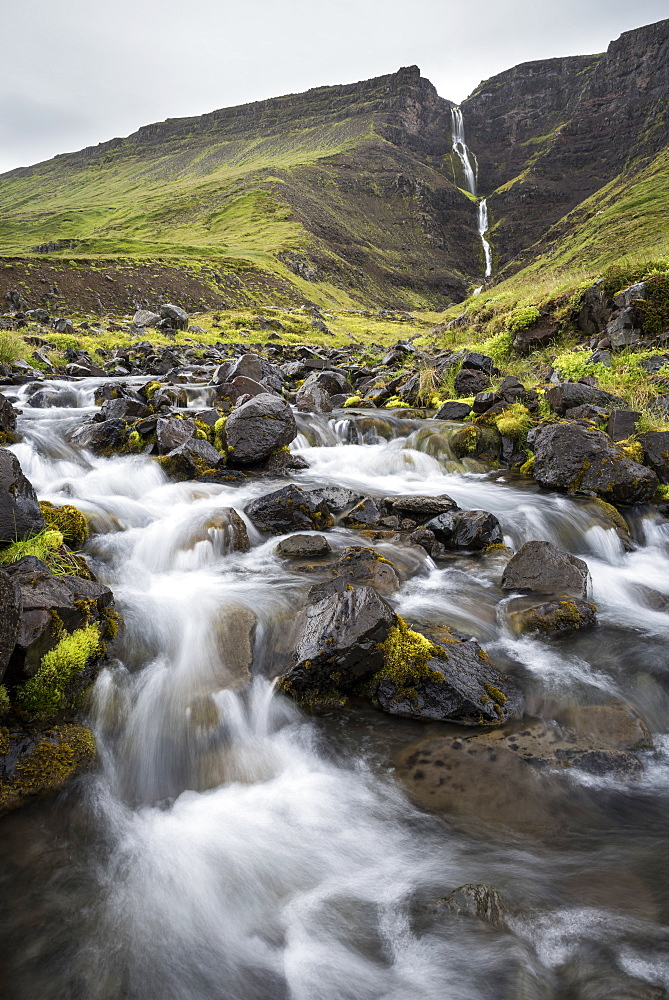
(549, 134)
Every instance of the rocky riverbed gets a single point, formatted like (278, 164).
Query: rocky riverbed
(307, 698)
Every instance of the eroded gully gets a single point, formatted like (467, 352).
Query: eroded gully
(229, 846)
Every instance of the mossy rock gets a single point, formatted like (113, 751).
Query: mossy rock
(34, 763)
(68, 520)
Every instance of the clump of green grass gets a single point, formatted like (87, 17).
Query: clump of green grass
(12, 347)
(47, 546)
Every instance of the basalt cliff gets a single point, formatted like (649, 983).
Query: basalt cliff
(351, 195)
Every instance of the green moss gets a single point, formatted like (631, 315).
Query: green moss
(68, 520)
(613, 515)
(497, 696)
(219, 441)
(523, 318)
(150, 389)
(55, 759)
(515, 422)
(633, 449)
(406, 656)
(353, 401)
(4, 700)
(527, 467)
(396, 403)
(47, 691)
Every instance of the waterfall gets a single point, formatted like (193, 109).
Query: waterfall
(470, 171)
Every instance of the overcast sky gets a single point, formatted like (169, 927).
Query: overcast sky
(78, 72)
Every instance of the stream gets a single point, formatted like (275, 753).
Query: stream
(230, 847)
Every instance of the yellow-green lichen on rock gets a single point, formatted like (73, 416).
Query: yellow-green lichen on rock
(53, 760)
(48, 690)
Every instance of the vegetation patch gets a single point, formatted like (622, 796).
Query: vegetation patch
(47, 691)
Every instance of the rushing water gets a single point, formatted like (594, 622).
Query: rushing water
(230, 847)
(470, 174)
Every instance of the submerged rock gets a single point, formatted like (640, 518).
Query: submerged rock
(569, 456)
(482, 902)
(545, 569)
(303, 546)
(550, 617)
(34, 763)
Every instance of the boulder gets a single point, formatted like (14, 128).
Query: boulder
(622, 424)
(313, 399)
(624, 329)
(287, 510)
(44, 398)
(569, 456)
(339, 641)
(256, 368)
(11, 609)
(174, 316)
(257, 428)
(566, 395)
(479, 362)
(144, 317)
(191, 460)
(544, 332)
(20, 515)
(365, 514)
(332, 382)
(172, 432)
(7, 419)
(596, 309)
(469, 382)
(466, 529)
(123, 409)
(102, 438)
(363, 566)
(69, 600)
(452, 681)
(453, 410)
(655, 446)
(337, 498)
(303, 546)
(543, 568)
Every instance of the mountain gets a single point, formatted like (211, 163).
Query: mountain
(351, 195)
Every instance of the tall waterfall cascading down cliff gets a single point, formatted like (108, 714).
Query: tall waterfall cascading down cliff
(470, 172)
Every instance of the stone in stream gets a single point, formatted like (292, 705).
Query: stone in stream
(419, 508)
(235, 630)
(616, 725)
(11, 609)
(655, 446)
(287, 510)
(257, 428)
(466, 529)
(303, 546)
(191, 460)
(103, 438)
(545, 569)
(7, 420)
(564, 614)
(123, 409)
(20, 515)
(69, 601)
(571, 457)
(313, 399)
(365, 514)
(363, 566)
(337, 498)
(172, 432)
(339, 641)
(253, 367)
(38, 763)
(479, 901)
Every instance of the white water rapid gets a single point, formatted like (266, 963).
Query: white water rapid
(230, 847)
(470, 174)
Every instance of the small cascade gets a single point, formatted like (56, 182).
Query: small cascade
(470, 172)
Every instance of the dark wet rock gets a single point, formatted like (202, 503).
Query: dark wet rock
(655, 446)
(46, 397)
(479, 362)
(257, 428)
(566, 395)
(11, 609)
(363, 566)
(172, 432)
(550, 617)
(254, 367)
(569, 456)
(546, 744)
(287, 510)
(35, 763)
(192, 460)
(452, 409)
(47, 599)
(543, 568)
(337, 498)
(469, 382)
(103, 438)
(596, 414)
(482, 902)
(313, 399)
(123, 409)
(339, 642)
(483, 401)
(365, 514)
(419, 508)
(303, 546)
(20, 515)
(622, 424)
(7, 418)
(543, 333)
(466, 529)
(425, 538)
(282, 463)
(453, 681)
